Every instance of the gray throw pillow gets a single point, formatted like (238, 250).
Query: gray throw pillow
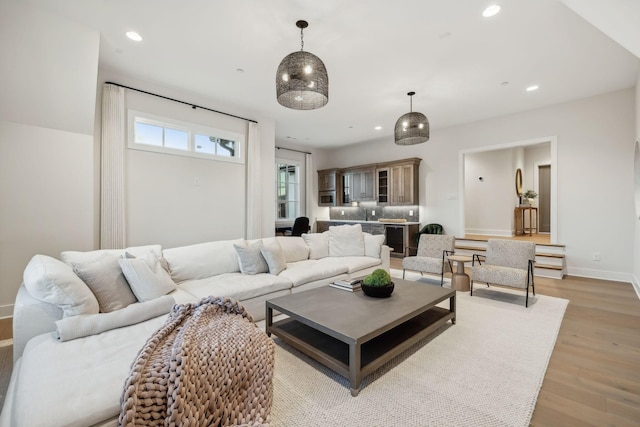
(146, 277)
(250, 258)
(107, 282)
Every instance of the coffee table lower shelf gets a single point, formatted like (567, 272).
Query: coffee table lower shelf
(334, 352)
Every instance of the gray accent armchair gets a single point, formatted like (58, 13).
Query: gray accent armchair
(506, 263)
(431, 255)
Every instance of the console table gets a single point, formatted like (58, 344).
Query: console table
(519, 217)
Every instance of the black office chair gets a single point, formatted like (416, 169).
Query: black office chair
(300, 226)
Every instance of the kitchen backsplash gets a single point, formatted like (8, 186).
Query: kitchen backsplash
(372, 212)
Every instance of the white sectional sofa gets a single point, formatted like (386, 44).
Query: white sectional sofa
(71, 358)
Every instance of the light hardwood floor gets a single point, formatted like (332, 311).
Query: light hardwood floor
(593, 377)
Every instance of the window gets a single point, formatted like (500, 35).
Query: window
(159, 134)
(287, 191)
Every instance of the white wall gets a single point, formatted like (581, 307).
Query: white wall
(47, 98)
(48, 69)
(594, 174)
(489, 192)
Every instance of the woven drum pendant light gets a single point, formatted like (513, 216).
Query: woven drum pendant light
(302, 82)
(412, 128)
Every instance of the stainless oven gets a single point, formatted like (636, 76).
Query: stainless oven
(327, 198)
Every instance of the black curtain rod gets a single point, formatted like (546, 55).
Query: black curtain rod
(194, 106)
(291, 149)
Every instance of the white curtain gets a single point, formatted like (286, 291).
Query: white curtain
(254, 183)
(112, 185)
(308, 168)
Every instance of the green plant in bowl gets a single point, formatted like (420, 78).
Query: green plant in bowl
(378, 277)
(378, 284)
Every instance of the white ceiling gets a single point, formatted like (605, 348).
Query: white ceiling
(463, 67)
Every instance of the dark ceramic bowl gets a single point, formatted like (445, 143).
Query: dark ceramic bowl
(378, 291)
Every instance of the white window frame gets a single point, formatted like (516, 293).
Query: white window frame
(297, 201)
(192, 129)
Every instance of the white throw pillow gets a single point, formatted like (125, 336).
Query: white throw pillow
(107, 282)
(274, 256)
(146, 277)
(372, 244)
(250, 258)
(294, 248)
(318, 244)
(346, 240)
(202, 260)
(50, 280)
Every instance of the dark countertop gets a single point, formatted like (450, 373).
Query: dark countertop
(367, 222)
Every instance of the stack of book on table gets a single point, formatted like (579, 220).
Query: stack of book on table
(347, 285)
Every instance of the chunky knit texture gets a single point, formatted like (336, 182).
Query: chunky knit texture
(209, 365)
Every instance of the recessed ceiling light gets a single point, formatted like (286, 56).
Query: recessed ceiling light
(532, 88)
(378, 127)
(134, 36)
(491, 11)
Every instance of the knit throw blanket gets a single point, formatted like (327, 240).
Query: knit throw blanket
(209, 365)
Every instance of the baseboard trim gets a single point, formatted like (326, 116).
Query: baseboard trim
(486, 232)
(636, 284)
(6, 311)
(602, 274)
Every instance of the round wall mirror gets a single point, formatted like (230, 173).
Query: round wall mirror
(636, 177)
(519, 181)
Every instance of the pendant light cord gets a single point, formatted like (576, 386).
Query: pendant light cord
(302, 38)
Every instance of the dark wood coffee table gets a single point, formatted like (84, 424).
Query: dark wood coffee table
(354, 334)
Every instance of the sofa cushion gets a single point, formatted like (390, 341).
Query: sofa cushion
(352, 264)
(146, 277)
(294, 248)
(302, 272)
(346, 240)
(373, 244)
(106, 280)
(202, 260)
(235, 285)
(499, 275)
(274, 256)
(250, 258)
(78, 257)
(75, 327)
(318, 244)
(50, 280)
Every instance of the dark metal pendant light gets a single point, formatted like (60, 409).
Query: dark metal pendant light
(302, 82)
(412, 128)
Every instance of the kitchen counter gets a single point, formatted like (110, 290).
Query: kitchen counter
(351, 221)
(399, 235)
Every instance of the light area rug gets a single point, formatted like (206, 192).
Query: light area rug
(486, 370)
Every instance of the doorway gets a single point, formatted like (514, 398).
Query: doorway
(532, 182)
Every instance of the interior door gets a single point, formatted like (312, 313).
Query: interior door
(544, 198)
